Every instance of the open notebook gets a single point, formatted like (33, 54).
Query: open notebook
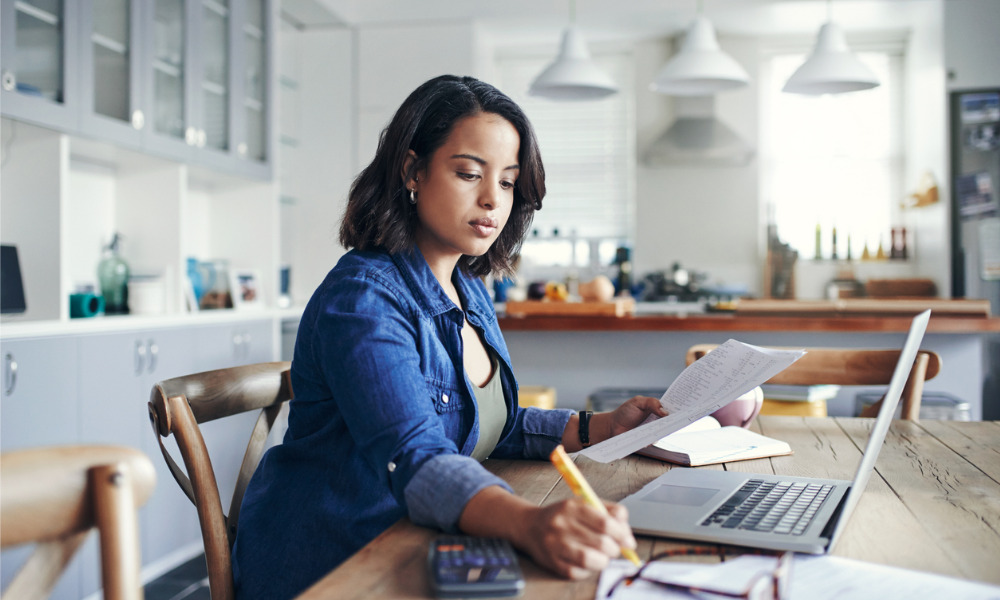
(706, 442)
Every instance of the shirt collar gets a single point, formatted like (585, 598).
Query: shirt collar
(428, 292)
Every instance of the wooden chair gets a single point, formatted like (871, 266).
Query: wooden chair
(178, 406)
(54, 496)
(845, 366)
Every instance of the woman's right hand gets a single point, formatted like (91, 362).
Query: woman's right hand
(574, 539)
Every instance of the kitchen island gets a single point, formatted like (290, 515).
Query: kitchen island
(578, 355)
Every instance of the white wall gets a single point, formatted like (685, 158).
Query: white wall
(317, 174)
(703, 216)
(393, 61)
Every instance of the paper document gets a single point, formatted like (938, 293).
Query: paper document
(811, 578)
(705, 386)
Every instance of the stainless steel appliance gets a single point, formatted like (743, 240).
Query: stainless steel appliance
(975, 232)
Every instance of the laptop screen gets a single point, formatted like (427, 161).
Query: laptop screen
(885, 415)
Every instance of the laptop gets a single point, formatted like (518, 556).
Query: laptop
(774, 512)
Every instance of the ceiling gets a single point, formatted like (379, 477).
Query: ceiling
(618, 20)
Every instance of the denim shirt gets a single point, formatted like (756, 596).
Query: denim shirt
(382, 425)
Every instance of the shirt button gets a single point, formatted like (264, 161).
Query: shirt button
(392, 467)
(444, 398)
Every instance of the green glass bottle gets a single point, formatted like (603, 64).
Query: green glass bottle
(112, 273)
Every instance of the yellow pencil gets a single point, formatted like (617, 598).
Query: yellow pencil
(574, 478)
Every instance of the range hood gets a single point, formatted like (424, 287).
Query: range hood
(697, 137)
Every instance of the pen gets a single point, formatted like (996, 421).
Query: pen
(574, 479)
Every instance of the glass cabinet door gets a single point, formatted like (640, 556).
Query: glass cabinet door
(37, 43)
(254, 145)
(169, 70)
(111, 89)
(215, 75)
(112, 52)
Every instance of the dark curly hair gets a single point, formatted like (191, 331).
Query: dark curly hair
(378, 213)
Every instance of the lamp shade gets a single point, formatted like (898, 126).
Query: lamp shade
(831, 68)
(573, 75)
(701, 68)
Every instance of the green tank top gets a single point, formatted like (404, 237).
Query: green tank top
(492, 412)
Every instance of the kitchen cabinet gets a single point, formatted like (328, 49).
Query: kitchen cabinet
(92, 388)
(38, 44)
(209, 83)
(116, 373)
(64, 193)
(230, 345)
(38, 407)
(186, 80)
(112, 102)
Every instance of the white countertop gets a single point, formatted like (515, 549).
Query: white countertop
(110, 324)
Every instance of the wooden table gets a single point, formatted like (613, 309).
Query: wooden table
(934, 505)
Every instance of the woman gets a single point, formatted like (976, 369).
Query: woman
(402, 380)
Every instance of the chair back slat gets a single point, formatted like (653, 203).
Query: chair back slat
(851, 366)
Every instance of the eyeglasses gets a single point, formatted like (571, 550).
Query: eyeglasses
(765, 585)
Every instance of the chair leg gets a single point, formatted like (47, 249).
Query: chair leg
(115, 516)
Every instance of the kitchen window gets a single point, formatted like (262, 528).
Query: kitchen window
(833, 161)
(588, 149)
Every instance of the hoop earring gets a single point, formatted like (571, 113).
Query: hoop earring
(413, 196)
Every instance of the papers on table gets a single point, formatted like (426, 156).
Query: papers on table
(705, 386)
(812, 578)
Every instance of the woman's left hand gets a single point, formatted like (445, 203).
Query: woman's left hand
(605, 425)
(633, 412)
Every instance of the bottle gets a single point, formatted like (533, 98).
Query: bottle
(112, 273)
(623, 282)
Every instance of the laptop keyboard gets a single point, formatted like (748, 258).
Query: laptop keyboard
(780, 507)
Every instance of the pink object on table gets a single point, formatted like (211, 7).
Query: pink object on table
(741, 412)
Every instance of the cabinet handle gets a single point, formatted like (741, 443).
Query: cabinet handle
(138, 119)
(237, 344)
(191, 136)
(140, 357)
(242, 149)
(8, 388)
(9, 81)
(154, 352)
(202, 138)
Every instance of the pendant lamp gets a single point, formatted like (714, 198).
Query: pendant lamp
(573, 75)
(831, 68)
(701, 68)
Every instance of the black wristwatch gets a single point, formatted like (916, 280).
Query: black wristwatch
(585, 427)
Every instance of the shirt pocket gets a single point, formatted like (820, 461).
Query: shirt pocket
(445, 396)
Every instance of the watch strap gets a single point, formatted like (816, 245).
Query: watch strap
(585, 427)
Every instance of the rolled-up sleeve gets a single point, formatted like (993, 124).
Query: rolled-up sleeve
(536, 432)
(438, 493)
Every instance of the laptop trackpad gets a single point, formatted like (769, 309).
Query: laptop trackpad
(680, 494)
